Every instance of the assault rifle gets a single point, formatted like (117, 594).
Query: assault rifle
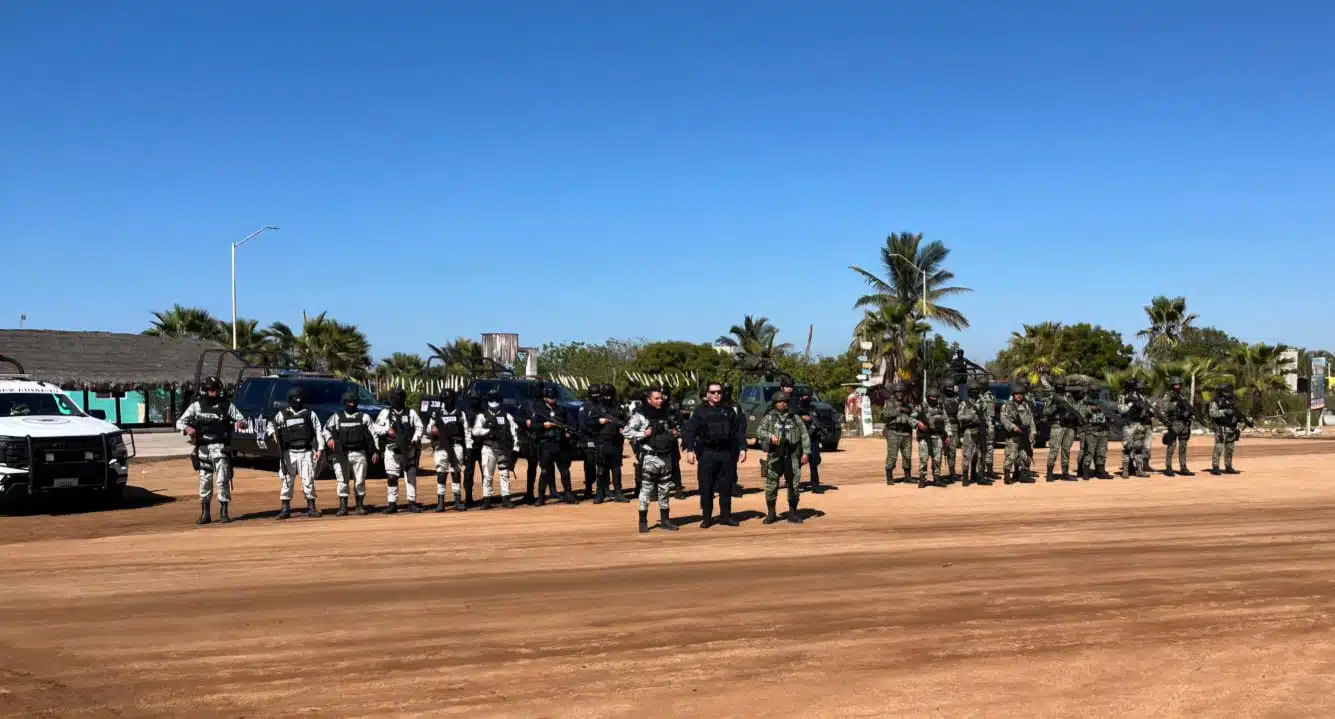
(1068, 410)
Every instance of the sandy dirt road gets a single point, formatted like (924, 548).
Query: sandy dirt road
(1200, 596)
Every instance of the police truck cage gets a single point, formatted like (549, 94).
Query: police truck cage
(231, 367)
(18, 372)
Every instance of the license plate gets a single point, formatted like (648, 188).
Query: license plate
(65, 483)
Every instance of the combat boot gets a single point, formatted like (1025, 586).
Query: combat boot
(1168, 471)
(223, 516)
(1027, 477)
(569, 498)
(362, 509)
(707, 522)
(967, 478)
(311, 511)
(392, 508)
(506, 503)
(1050, 476)
(486, 503)
(414, 507)
(1186, 472)
(1006, 477)
(770, 517)
(459, 505)
(1230, 470)
(738, 492)
(286, 511)
(727, 521)
(1215, 471)
(793, 517)
(342, 507)
(889, 475)
(665, 521)
(922, 482)
(440, 503)
(644, 521)
(204, 517)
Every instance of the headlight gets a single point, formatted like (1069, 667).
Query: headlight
(13, 451)
(117, 443)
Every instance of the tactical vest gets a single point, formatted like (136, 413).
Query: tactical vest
(1097, 421)
(212, 422)
(786, 429)
(296, 429)
(402, 422)
(661, 442)
(449, 427)
(502, 436)
(716, 427)
(351, 431)
(1136, 412)
(968, 416)
(543, 413)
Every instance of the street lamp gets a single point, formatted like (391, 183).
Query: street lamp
(235, 245)
(922, 361)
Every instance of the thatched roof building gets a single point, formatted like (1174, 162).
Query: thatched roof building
(105, 361)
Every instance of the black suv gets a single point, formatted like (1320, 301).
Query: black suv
(259, 398)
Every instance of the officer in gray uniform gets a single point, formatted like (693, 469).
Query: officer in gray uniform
(209, 421)
(352, 445)
(300, 439)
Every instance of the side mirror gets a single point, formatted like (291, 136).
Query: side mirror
(98, 414)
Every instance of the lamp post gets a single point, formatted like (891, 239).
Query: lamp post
(235, 245)
(922, 361)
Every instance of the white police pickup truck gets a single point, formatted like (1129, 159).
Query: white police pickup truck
(49, 445)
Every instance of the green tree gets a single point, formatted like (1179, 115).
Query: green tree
(682, 357)
(182, 322)
(597, 363)
(401, 364)
(825, 375)
(1256, 373)
(1205, 342)
(1036, 353)
(461, 357)
(324, 345)
(1169, 320)
(755, 336)
(895, 307)
(1091, 349)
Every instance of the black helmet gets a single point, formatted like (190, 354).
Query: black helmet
(933, 393)
(549, 391)
(296, 396)
(210, 384)
(493, 396)
(398, 399)
(449, 398)
(1059, 383)
(1226, 389)
(350, 398)
(609, 394)
(947, 387)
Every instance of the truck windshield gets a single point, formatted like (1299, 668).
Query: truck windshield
(800, 389)
(37, 404)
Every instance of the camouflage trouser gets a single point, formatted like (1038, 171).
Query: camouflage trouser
(215, 470)
(1224, 440)
(1059, 443)
(929, 447)
(1019, 452)
(1133, 445)
(1179, 433)
(987, 435)
(656, 479)
(774, 470)
(952, 449)
(1094, 450)
(898, 444)
(968, 441)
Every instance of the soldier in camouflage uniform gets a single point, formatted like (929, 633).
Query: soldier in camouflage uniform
(897, 415)
(1134, 408)
(951, 400)
(1094, 440)
(971, 434)
(1064, 420)
(1225, 417)
(782, 434)
(1178, 414)
(933, 433)
(1017, 419)
(985, 404)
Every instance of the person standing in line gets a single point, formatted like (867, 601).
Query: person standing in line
(401, 427)
(713, 443)
(351, 443)
(300, 438)
(209, 422)
(498, 433)
(651, 427)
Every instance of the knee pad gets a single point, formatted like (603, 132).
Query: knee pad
(392, 481)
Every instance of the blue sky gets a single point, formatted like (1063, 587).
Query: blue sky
(585, 170)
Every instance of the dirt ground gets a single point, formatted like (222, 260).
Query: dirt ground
(1187, 596)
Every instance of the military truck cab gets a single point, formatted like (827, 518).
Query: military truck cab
(755, 402)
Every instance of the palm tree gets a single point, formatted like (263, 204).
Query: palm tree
(1169, 319)
(401, 364)
(755, 336)
(1256, 372)
(902, 281)
(890, 329)
(189, 323)
(251, 341)
(1038, 352)
(462, 356)
(325, 344)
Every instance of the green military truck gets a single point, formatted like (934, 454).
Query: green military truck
(755, 401)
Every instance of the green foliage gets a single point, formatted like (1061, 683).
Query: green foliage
(461, 358)
(597, 363)
(825, 375)
(1049, 349)
(1204, 342)
(1169, 320)
(182, 322)
(401, 364)
(324, 344)
(674, 356)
